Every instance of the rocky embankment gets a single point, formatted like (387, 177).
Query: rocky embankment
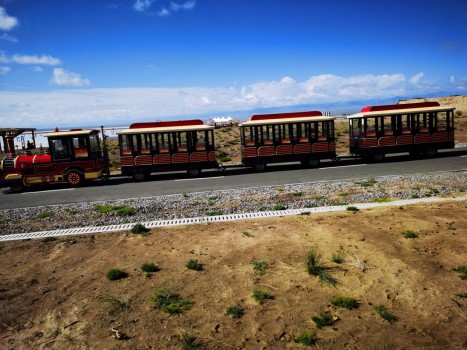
(187, 205)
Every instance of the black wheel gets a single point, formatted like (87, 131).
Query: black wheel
(17, 188)
(430, 153)
(310, 163)
(378, 157)
(140, 176)
(260, 166)
(194, 172)
(74, 178)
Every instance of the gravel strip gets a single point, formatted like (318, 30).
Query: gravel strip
(248, 200)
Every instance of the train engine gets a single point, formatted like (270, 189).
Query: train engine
(73, 157)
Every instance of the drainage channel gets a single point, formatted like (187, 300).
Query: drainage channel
(219, 218)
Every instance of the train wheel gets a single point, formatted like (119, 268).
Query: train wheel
(430, 153)
(378, 157)
(74, 178)
(193, 172)
(310, 163)
(259, 166)
(17, 188)
(140, 176)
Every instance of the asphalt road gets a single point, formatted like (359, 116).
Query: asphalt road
(235, 178)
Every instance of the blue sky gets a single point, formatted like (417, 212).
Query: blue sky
(81, 62)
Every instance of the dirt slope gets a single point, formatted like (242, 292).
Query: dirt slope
(54, 295)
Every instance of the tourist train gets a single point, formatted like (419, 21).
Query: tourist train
(77, 156)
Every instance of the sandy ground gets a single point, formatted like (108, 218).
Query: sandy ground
(54, 295)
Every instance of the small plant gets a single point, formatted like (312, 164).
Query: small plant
(149, 267)
(306, 338)
(188, 341)
(297, 194)
(353, 209)
(235, 311)
(247, 234)
(322, 320)
(194, 265)
(103, 208)
(48, 239)
(215, 213)
(314, 267)
(381, 200)
(337, 258)
(431, 192)
(463, 271)
(461, 295)
(366, 183)
(226, 159)
(345, 302)
(169, 302)
(123, 210)
(385, 315)
(260, 296)
(343, 194)
(116, 274)
(116, 305)
(279, 207)
(46, 214)
(410, 234)
(260, 266)
(139, 229)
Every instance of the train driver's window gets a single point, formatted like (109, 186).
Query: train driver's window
(80, 147)
(60, 150)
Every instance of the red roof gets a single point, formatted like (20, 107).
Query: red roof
(167, 124)
(400, 106)
(286, 115)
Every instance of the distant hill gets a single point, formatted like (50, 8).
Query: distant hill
(458, 101)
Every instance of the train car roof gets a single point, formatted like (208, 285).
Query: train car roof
(374, 111)
(78, 132)
(286, 120)
(165, 129)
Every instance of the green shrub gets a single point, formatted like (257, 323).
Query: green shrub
(194, 265)
(315, 268)
(260, 296)
(306, 338)
(149, 267)
(116, 305)
(279, 207)
(169, 302)
(337, 258)
(48, 239)
(189, 342)
(322, 320)
(235, 311)
(410, 234)
(215, 213)
(139, 229)
(386, 315)
(122, 210)
(297, 194)
(353, 209)
(345, 302)
(46, 214)
(115, 274)
(463, 270)
(260, 266)
(226, 159)
(103, 208)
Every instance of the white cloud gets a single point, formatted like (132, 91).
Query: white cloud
(34, 59)
(188, 5)
(65, 78)
(81, 107)
(37, 69)
(416, 78)
(142, 5)
(5, 70)
(7, 22)
(8, 37)
(163, 12)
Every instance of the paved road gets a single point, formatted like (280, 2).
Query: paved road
(123, 188)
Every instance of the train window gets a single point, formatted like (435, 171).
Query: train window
(442, 121)
(389, 123)
(94, 143)
(247, 135)
(423, 122)
(201, 141)
(80, 147)
(60, 150)
(145, 144)
(370, 127)
(162, 142)
(406, 125)
(304, 132)
(267, 134)
(356, 127)
(125, 148)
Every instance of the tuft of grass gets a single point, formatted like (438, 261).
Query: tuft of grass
(367, 183)
(120, 210)
(103, 208)
(322, 320)
(461, 295)
(409, 234)
(48, 239)
(189, 341)
(279, 207)
(381, 200)
(306, 338)
(226, 159)
(260, 266)
(343, 194)
(463, 271)
(235, 311)
(260, 296)
(149, 267)
(337, 258)
(431, 192)
(385, 315)
(115, 274)
(348, 303)
(169, 302)
(193, 264)
(139, 229)
(116, 305)
(297, 194)
(215, 213)
(247, 234)
(353, 209)
(46, 214)
(314, 267)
